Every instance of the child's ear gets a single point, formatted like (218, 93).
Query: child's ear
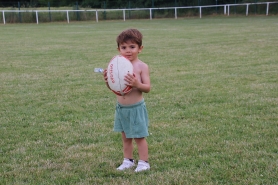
(140, 49)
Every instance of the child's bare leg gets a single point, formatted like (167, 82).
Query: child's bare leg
(142, 148)
(127, 147)
(128, 151)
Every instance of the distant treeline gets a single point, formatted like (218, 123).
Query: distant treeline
(120, 3)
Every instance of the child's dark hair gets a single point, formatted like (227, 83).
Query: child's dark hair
(132, 35)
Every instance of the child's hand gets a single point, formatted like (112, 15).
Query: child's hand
(105, 78)
(105, 75)
(131, 80)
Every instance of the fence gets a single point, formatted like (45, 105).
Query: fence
(146, 13)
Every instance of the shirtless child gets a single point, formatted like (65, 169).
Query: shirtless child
(131, 117)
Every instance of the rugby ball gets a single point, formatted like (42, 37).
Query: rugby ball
(117, 69)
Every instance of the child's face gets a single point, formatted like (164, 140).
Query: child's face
(130, 50)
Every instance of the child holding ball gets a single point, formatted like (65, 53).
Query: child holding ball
(131, 117)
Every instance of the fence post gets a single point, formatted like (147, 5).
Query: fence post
(247, 7)
(200, 10)
(124, 14)
(96, 16)
(228, 10)
(68, 16)
(150, 14)
(4, 17)
(267, 8)
(37, 18)
(176, 16)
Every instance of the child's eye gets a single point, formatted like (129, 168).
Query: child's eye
(123, 47)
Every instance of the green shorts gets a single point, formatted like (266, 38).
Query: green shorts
(132, 120)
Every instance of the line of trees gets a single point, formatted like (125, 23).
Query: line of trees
(120, 3)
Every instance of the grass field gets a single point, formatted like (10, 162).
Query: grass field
(213, 106)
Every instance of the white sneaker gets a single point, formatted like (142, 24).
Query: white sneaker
(142, 166)
(126, 164)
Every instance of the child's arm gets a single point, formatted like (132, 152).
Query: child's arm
(143, 84)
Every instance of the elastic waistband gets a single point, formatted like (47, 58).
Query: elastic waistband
(132, 105)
